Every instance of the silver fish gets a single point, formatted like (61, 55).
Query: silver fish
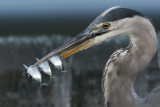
(45, 67)
(56, 61)
(34, 72)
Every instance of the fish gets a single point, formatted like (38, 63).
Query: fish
(45, 67)
(56, 61)
(34, 72)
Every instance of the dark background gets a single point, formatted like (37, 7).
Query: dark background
(30, 29)
(63, 17)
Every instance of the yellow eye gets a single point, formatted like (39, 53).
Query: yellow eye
(106, 26)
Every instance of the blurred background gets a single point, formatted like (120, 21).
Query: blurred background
(30, 29)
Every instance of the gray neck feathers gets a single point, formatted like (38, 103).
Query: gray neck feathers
(144, 42)
(121, 92)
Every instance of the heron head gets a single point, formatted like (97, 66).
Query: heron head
(112, 22)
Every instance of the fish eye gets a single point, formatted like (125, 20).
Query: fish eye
(106, 26)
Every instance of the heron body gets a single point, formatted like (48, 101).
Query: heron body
(124, 64)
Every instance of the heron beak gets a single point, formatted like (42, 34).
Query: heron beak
(82, 41)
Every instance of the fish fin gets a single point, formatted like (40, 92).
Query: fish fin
(54, 77)
(25, 66)
(43, 84)
(64, 71)
(37, 59)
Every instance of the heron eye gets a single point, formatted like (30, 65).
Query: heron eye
(106, 26)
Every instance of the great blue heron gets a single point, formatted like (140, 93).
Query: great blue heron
(124, 64)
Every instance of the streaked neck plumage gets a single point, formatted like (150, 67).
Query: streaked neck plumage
(121, 70)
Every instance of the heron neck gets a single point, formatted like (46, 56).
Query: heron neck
(144, 48)
(121, 92)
